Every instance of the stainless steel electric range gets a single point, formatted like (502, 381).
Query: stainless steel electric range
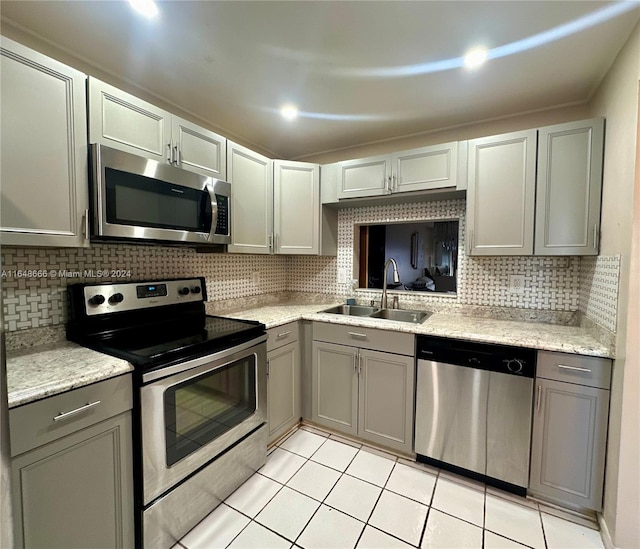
(200, 403)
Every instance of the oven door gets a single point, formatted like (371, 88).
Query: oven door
(142, 199)
(198, 410)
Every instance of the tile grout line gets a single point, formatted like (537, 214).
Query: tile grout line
(433, 495)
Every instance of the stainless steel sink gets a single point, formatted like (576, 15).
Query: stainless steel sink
(401, 315)
(352, 310)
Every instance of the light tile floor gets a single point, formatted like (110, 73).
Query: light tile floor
(319, 491)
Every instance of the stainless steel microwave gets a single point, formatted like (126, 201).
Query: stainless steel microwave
(135, 198)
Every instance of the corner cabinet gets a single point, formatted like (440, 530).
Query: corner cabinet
(536, 192)
(44, 168)
(275, 206)
(425, 168)
(283, 379)
(122, 121)
(570, 429)
(360, 390)
(72, 478)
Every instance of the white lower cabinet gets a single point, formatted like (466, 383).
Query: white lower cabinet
(72, 479)
(283, 379)
(363, 392)
(570, 430)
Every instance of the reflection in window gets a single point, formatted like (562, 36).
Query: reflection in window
(426, 253)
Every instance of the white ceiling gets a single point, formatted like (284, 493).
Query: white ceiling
(235, 63)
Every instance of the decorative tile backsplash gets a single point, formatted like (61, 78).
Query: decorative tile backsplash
(599, 279)
(551, 284)
(35, 279)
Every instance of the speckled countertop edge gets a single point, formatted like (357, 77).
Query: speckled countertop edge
(536, 335)
(48, 370)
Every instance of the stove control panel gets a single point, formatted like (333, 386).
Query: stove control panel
(112, 298)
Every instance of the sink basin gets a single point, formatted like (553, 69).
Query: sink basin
(353, 310)
(401, 315)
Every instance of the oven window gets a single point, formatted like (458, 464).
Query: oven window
(201, 409)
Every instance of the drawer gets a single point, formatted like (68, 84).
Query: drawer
(399, 343)
(281, 335)
(582, 370)
(33, 424)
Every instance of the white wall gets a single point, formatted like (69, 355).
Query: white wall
(617, 100)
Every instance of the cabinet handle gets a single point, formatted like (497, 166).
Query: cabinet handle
(65, 415)
(170, 155)
(538, 397)
(389, 184)
(270, 243)
(595, 236)
(394, 187)
(85, 224)
(356, 334)
(268, 363)
(359, 362)
(577, 368)
(356, 360)
(177, 155)
(283, 334)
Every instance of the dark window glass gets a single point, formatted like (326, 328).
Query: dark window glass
(201, 409)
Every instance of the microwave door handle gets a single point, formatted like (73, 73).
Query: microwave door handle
(214, 211)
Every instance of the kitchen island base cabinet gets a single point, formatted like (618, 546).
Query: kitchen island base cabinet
(364, 393)
(570, 430)
(76, 491)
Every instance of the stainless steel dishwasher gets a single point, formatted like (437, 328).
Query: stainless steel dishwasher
(473, 409)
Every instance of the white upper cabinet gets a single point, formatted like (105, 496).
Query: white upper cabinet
(536, 192)
(296, 207)
(122, 121)
(569, 188)
(251, 178)
(425, 168)
(501, 194)
(44, 168)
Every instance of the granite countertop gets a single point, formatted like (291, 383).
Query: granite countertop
(536, 335)
(47, 370)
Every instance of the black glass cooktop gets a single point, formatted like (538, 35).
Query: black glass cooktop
(150, 346)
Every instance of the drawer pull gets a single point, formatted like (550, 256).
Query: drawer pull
(356, 334)
(65, 415)
(577, 368)
(283, 334)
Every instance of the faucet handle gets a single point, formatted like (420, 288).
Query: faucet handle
(395, 304)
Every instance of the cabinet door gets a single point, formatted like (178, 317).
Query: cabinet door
(198, 150)
(425, 168)
(364, 177)
(569, 443)
(569, 188)
(296, 207)
(385, 411)
(44, 169)
(334, 386)
(283, 382)
(501, 194)
(122, 121)
(251, 178)
(77, 492)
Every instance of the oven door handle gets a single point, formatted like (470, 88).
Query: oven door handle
(190, 364)
(214, 211)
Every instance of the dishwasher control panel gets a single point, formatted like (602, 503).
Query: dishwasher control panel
(505, 359)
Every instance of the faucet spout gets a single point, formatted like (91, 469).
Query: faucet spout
(396, 279)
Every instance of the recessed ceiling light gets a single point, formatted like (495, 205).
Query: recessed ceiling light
(290, 112)
(475, 57)
(147, 8)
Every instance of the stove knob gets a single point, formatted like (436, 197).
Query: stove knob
(116, 298)
(96, 300)
(195, 290)
(183, 291)
(515, 366)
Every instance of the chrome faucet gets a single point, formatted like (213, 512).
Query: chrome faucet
(396, 280)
